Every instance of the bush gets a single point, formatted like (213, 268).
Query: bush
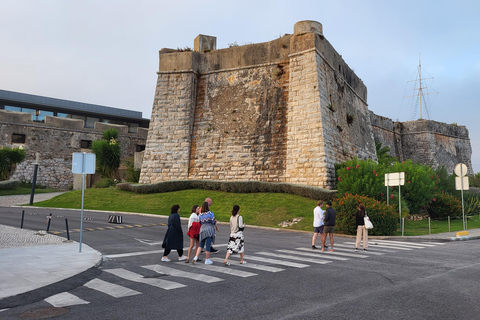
(133, 175)
(231, 186)
(104, 183)
(444, 205)
(9, 184)
(8, 160)
(384, 217)
(471, 203)
(107, 153)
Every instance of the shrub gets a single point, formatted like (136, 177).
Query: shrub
(9, 184)
(107, 153)
(104, 183)
(231, 186)
(444, 205)
(133, 174)
(384, 217)
(471, 203)
(8, 160)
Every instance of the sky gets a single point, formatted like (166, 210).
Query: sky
(105, 52)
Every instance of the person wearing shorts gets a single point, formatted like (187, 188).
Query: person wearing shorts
(329, 222)
(207, 232)
(317, 222)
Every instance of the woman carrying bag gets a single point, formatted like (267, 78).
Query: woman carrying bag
(362, 232)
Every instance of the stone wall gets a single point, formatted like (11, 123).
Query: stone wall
(424, 141)
(56, 140)
(285, 110)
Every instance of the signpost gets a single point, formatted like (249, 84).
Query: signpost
(461, 183)
(392, 180)
(83, 163)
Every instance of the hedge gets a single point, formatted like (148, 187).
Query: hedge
(310, 192)
(9, 184)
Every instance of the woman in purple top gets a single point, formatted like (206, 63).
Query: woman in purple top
(207, 232)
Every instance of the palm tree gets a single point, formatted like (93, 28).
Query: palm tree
(382, 154)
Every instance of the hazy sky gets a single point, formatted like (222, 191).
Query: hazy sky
(106, 51)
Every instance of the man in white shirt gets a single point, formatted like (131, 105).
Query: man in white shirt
(317, 222)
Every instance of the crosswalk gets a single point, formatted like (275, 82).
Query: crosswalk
(258, 263)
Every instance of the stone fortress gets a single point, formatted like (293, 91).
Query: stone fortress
(281, 111)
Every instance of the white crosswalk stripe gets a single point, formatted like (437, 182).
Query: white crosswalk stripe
(399, 244)
(132, 276)
(182, 274)
(65, 299)
(372, 244)
(311, 253)
(413, 244)
(326, 254)
(222, 269)
(291, 257)
(111, 289)
(252, 266)
(348, 248)
(275, 261)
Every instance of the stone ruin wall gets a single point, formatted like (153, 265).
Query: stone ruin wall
(424, 141)
(257, 112)
(56, 140)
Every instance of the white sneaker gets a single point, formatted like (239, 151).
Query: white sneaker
(182, 258)
(208, 261)
(166, 260)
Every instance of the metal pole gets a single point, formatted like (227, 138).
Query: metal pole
(49, 219)
(448, 223)
(463, 209)
(34, 181)
(23, 215)
(66, 225)
(403, 227)
(83, 196)
(429, 231)
(400, 204)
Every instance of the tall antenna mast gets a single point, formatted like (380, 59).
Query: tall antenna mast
(420, 88)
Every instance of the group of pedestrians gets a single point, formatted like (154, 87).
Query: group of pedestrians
(324, 224)
(201, 231)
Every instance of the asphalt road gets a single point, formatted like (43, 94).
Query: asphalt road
(283, 279)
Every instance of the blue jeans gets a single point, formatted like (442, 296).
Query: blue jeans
(207, 242)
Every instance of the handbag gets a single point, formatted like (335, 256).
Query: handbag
(368, 223)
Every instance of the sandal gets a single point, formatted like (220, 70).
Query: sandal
(243, 262)
(186, 260)
(226, 263)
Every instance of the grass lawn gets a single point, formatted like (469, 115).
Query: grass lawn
(260, 209)
(21, 190)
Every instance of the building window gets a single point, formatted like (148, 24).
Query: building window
(139, 148)
(86, 144)
(18, 138)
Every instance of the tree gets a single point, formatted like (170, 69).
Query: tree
(382, 155)
(8, 160)
(107, 153)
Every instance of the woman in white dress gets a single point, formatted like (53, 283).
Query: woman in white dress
(235, 243)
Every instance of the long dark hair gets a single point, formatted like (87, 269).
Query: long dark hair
(194, 209)
(362, 210)
(205, 207)
(175, 208)
(235, 210)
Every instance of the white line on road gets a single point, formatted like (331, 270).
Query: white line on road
(312, 253)
(325, 254)
(224, 269)
(281, 262)
(111, 289)
(373, 244)
(65, 299)
(351, 249)
(290, 257)
(251, 265)
(182, 274)
(132, 276)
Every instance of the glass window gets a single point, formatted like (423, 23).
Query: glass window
(63, 115)
(18, 138)
(139, 148)
(12, 108)
(42, 114)
(132, 127)
(86, 144)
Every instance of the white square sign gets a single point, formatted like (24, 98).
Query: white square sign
(83, 162)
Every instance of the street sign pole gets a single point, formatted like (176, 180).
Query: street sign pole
(83, 198)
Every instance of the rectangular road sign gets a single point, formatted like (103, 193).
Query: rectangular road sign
(458, 183)
(394, 179)
(83, 163)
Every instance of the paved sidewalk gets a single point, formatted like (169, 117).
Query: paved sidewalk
(30, 260)
(16, 200)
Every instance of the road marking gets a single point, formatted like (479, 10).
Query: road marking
(182, 274)
(375, 245)
(132, 276)
(149, 242)
(336, 253)
(131, 254)
(435, 243)
(65, 299)
(386, 243)
(284, 256)
(350, 246)
(251, 265)
(224, 269)
(420, 244)
(360, 250)
(281, 262)
(111, 289)
(312, 254)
